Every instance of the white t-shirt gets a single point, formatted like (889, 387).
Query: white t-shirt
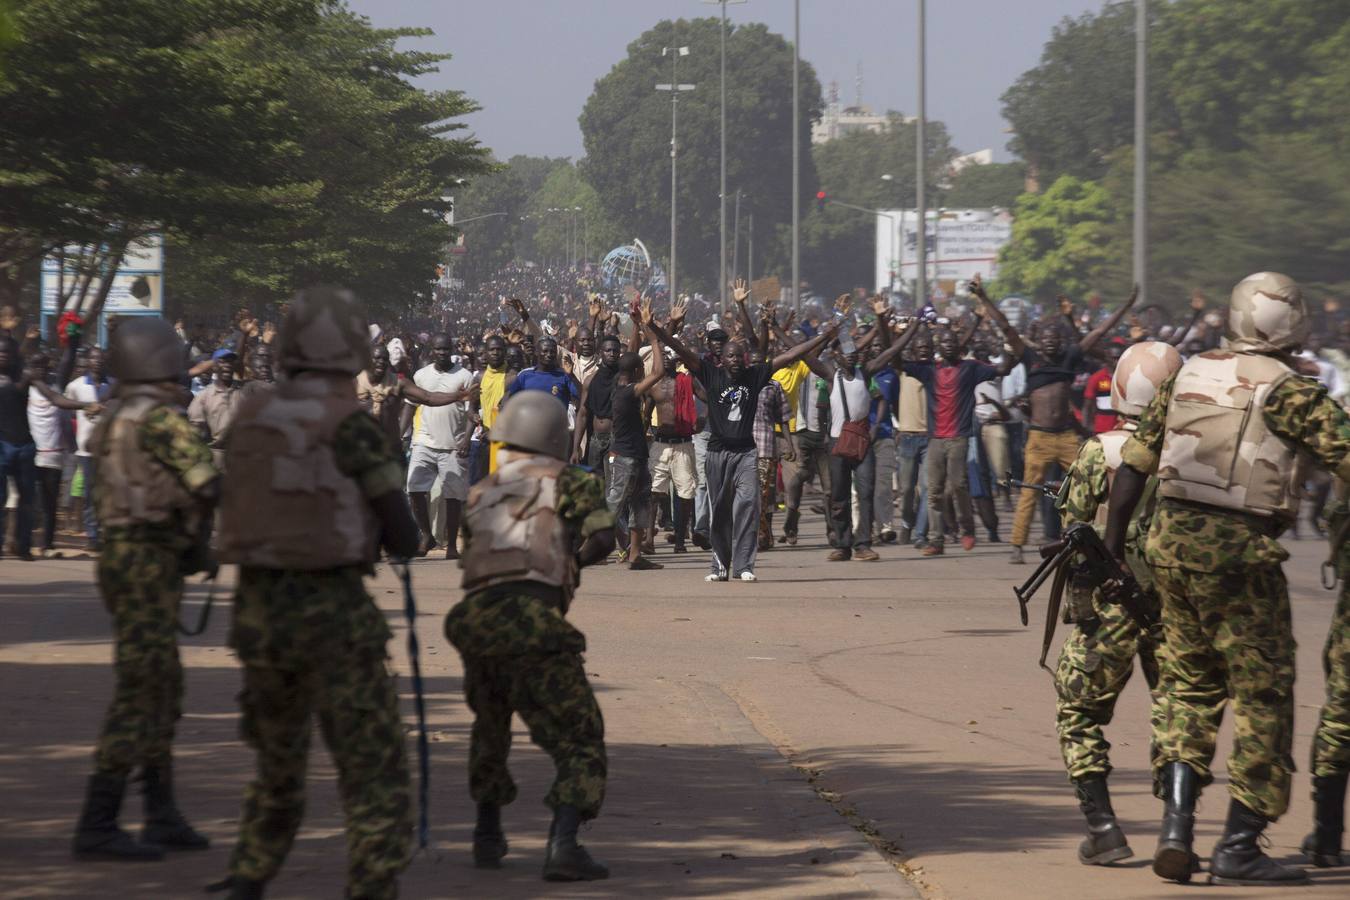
(859, 401)
(442, 427)
(986, 392)
(80, 389)
(44, 421)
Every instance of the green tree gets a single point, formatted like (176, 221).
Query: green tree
(382, 152)
(995, 184)
(509, 188)
(626, 128)
(122, 118)
(839, 243)
(587, 227)
(1077, 106)
(1059, 241)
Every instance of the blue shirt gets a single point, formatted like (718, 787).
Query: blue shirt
(559, 384)
(889, 384)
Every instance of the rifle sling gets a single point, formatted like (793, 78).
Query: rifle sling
(1052, 611)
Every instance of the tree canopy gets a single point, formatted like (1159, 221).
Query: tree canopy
(626, 129)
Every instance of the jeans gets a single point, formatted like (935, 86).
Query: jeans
(733, 510)
(842, 476)
(913, 452)
(948, 478)
(813, 461)
(883, 497)
(701, 506)
(1043, 448)
(16, 461)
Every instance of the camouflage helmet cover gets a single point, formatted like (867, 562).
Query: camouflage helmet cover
(146, 348)
(324, 331)
(1141, 370)
(534, 421)
(1266, 314)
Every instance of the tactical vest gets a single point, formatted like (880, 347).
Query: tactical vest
(286, 505)
(515, 531)
(1217, 449)
(133, 487)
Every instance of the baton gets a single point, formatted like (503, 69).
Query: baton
(404, 573)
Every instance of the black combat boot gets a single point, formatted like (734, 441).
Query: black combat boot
(1323, 846)
(164, 824)
(98, 836)
(239, 888)
(566, 860)
(1237, 858)
(1174, 859)
(1105, 842)
(489, 842)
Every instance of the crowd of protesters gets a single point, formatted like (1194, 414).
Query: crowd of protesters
(911, 422)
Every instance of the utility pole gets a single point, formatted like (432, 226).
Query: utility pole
(920, 202)
(736, 236)
(1141, 150)
(750, 254)
(796, 156)
(675, 89)
(722, 188)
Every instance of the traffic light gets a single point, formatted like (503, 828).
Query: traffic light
(820, 201)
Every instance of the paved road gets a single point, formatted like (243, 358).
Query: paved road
(836, 730)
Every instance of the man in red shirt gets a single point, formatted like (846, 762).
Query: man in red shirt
(1098, 415)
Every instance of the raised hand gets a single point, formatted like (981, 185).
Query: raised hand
(1065, 305)
(880, 306)
(678, 309)
(843, 303)
(644, 316)
(976, 287)
(740, 291)
(595, 307)
(1197, 300)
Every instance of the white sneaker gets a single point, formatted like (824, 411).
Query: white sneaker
(715, 576)
(748, 576)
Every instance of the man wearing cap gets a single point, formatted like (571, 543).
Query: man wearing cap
(212, 410)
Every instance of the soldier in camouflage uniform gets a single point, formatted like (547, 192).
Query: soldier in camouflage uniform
(1225, 436)
(314, 485)
(1331, 741)
(1097, 659)
(154, 484)
(531, 525)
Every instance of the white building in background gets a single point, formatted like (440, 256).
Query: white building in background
(978, 158)
(838, 120)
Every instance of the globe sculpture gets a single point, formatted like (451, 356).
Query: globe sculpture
(631, 264)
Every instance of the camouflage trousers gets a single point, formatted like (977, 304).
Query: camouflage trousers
(1229, 637)
(1095, 664)
(142, 588)
(313, 646)
(552, 696)
(1331, 741)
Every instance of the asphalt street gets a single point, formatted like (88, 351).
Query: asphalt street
(834, 730)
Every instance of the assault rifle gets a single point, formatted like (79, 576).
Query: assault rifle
(1049, 488)
(1096, 566)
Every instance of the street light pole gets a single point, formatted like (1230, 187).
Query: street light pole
(1141, 150)
(796, 156)
(722, 189)
(896, 262)
(675, 89)
(921, 205)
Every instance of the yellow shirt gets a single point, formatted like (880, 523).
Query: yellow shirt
(790, 379)
(491, 389)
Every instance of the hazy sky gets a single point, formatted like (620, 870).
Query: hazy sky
(531, 64)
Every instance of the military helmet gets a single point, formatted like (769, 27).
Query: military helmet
(324, 331)
(146, 348)
(1140, 371)
(1266, 313)
(535, 421)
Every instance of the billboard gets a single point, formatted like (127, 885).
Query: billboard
(960, 244)
(137, 288)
